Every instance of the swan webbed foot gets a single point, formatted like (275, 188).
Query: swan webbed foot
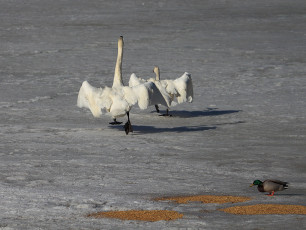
(115, 122)
(166, 114)
(128, 127)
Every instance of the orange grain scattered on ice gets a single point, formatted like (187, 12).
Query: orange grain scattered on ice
(206, 199)
(261, 209)
(144, 215)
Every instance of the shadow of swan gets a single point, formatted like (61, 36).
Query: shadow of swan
(201, 113)
(152, 129)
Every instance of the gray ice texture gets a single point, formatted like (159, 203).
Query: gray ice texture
(58, 163)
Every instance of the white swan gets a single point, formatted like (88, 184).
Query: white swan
(180, 88)
(119, 99)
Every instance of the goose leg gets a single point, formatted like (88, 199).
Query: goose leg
(115, 122)
(128, 126)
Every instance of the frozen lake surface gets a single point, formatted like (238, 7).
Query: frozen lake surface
(58, 163)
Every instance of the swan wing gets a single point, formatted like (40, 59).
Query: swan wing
(156, 96)
(88, 98)
(163, 92)
(170, 88)
(148, 94)
(116, 101)
(134, 80)
(184, 87)
(111, 99)
(120, 105)
(82, 101)
(188, 81)
(129, 95)
(142, 94)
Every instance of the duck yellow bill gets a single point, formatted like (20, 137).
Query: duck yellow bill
(251, 185)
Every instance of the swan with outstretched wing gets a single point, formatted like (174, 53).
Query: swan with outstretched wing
(119, 99)
(180, 89)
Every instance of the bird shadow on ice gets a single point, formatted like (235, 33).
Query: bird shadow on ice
(152, 129)
(201, 113)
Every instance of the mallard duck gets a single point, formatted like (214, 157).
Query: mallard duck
(270, 186)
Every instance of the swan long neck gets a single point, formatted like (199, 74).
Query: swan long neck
(118, 69)
(156, 71)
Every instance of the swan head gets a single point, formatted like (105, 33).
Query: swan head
(120, 42)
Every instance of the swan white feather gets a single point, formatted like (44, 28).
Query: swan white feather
(180, 88)
(119, 99)
(183, 87)
(157, 94)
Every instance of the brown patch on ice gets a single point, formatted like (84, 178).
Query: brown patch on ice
(206, 199)
(261, 209)
(143, 215)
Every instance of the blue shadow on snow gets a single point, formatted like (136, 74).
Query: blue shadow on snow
(201, 113)
(152, 129)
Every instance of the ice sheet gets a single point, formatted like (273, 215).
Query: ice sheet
(58, 163)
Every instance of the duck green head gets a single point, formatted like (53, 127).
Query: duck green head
(256, 182)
